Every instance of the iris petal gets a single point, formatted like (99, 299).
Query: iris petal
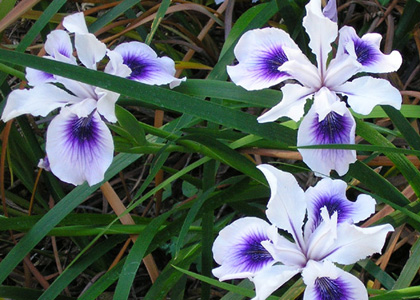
(260, 53)
(286, 208)
(145, 65)
(325, 281)
(335, 128)
(79, 149)
(239, 251)
(366, 51)
(365, 93)
(332, 195)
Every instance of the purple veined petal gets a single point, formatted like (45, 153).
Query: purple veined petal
(292, 104)
(79, 149)
(330, 10)
(324, 281)
(354, 243)
(76, 23)
(327, 124)
(321, 241)
(364, 93)
(145, 65)
(322, 32)
(340, 70)
(332, 195)
(238, 249)
(106, 104)
(366, 51)
(38, 101)
(270, 279)
(283, 250)
(90, 50)
(58, 45)
(286, 208)
(260, 54)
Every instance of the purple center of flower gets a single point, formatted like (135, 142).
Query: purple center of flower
(252, 254)
(333, 203)
(138, 67)
(330, 289)
(365, 54)
(333, 129)
(82, 131)
(271, 61)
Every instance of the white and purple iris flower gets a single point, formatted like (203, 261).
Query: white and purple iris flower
(79, 145)
(253, 248)
(269, 56)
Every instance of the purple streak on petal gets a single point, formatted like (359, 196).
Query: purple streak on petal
(140, 68)
(331, 289)
(333, 203)
(252, 254)
(366, 53)
(82, 135)
(334, 129)
(270, 61)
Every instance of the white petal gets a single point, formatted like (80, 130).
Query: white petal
(89, 49)
(322, 32)
(291, 105)
(38, 101)
(366, 51)
(326, 281)
(58, 45)
(80, 89)
(106, 104)
(327, 124)
(260, 53)
(354, 243)
(239, 251)
(79, 150)
(146, 67)
(271, 279)
(282, 250)
(301, 69)
(116, 65)
(340, 70)
(176, 82)
(75, 23)
(332, 194)
(321, 241)
(286, 208)
(83, 108)
(365, 93)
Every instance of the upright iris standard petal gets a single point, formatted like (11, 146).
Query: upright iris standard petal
(330, 10)
(286, 208)
(89, 49)
(364, 93)
(38, 101)
(366, 51)
(322, 32)
(146, 66)
(332, 195)
(327, 122)
(239, 251)
(58, 45)
(324, 281)
(260, 53)
(79, 149)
